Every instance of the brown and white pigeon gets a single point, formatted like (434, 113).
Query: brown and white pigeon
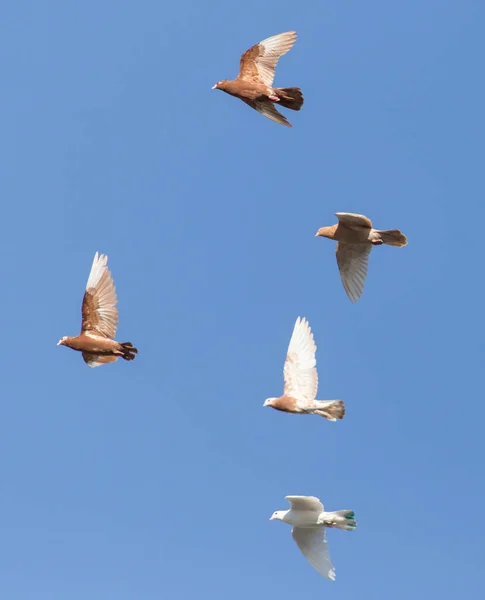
(254, 84)
(355, 237)
(301, 379)
(99, 320)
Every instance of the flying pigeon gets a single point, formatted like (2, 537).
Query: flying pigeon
(254, 84)
(355, 237)
(309, 522)
(301, 379)
(99, 320)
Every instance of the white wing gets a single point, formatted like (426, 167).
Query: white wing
(300, 373)
(310, 503)
(353, 261)
(99, 312)
(273, 48)
(261, 59)
(97, 360)
(313, 543)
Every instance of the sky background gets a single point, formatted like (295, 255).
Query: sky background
(156, 478)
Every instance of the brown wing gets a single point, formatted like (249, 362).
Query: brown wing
(259, 62)
(96, 360)
(353, 260)
(353, 220)
(99, 312)
(267, 109)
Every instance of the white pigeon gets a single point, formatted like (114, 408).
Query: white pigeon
(309, 522)
(301, 379)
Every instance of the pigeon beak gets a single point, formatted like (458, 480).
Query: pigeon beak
(58, 343)
(271, 518)
(316, 235)
(214, 86)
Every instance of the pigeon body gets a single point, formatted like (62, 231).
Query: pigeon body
(301, 379)
(309, 521)
(355, 237)
(254, 84)
(99, 320)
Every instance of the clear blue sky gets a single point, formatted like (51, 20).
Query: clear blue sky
(156, 479)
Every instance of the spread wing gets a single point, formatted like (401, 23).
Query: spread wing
(259, 62)
(313, 544)
(300, 373)
(96, 360)
(353, 260)
(267, 109)
(353, 220)
(310, 503)
(99, 312)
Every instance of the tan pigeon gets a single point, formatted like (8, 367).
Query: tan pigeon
(301, 379)
(99, 320)
(355, 237)
(254, 84)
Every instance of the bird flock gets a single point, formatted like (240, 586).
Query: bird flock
(355, 237)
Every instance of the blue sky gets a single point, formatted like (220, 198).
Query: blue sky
(157, 478)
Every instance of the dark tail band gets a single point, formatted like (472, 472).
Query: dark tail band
(129, 351)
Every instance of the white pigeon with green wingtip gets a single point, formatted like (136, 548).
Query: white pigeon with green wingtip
(310, 521)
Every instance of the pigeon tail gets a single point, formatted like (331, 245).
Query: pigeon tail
(129, 351)
(330, 409)
(392, 237)
(291, 98)
(341, 519)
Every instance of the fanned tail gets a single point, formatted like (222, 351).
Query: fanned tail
(392, 237)
(330, 409)
(341, 519)
(291, 98)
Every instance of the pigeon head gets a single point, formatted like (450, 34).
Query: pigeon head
(278, 515)
(62, 341)
(269, 401)
(325, 232)
(220, 85)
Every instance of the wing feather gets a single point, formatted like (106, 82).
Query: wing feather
(353, 220)
(268, 110)
(308, 503)
(312, 541)
(259, 62)
(353, 262)
(300, 373)
(97, 360)
(99, 312)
